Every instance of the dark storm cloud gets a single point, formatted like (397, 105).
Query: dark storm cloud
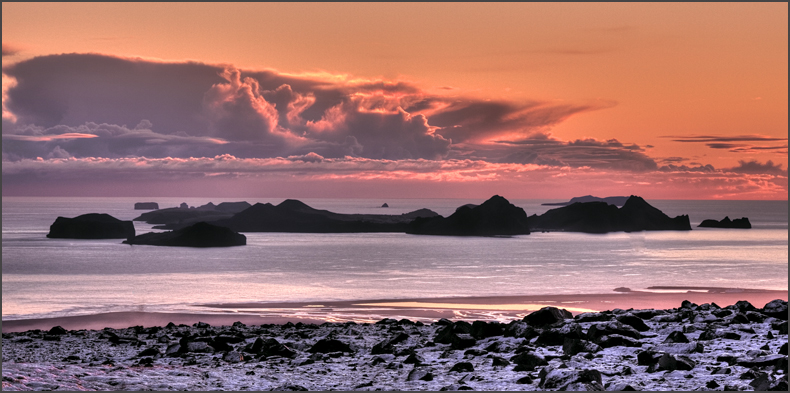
(256, 114)
(757, 168)
(542, 149)
(9, 50)
(719, 138)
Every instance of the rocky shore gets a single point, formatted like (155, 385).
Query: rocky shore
(692, 347)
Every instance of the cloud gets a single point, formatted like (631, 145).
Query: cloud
(755, 167)
(9, 50)
(543, 149)
(275, 114)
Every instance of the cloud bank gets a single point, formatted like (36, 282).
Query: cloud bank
(94, 118)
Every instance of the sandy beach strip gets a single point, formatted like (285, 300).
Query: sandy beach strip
(424, 309)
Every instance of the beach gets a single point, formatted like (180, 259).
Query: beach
(692, 346)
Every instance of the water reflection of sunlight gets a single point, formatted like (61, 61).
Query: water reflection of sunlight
(467, 306)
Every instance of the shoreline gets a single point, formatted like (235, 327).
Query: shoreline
(489, 308)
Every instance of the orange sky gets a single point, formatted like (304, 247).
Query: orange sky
(652, 72)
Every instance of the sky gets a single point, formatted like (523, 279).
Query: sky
(396, 100)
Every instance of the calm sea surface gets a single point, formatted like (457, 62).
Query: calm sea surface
(56, 277)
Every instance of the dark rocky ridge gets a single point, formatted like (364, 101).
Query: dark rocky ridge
(741, 223)
(91, 226)
(600, 217)
(201, 234)
(183, 216)
(295, 216)
(612, 200)
(146, 206)
(692, 347)
(495, 217)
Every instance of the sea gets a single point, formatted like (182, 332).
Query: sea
(45, 278)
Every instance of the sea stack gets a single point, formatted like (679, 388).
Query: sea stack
(201, 234)
(91, 226)
(740, 223)
(146, 206)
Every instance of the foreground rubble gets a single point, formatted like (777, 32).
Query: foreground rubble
(693, 347)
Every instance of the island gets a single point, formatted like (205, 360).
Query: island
(612, 200)
(495, 217)
(601, 217)
(201, 234)
(183, 216)
(146, 206)
(91, 226)
(738, 223)
(295, 216)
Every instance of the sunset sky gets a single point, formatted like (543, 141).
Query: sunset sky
(467, 100)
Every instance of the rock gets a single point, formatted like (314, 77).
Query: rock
(547, 316)
(571, 379)
(744, 306)
(712, 384)
(621, 387)
(592, 317)
(414, 359)
(681, 348)
(780, 326)
(755, 316)
(780, 361)
(494, 217)
(146, 206)
(201, 234)
(481, 330)
(150, 351)
(520, 329)
(420, 374)
(618, 340)
(761, 382)
(612, 200)
(648, 313)
(462, 367)
(676, 337)
(198, 347)
(783, 349)
(776, 308)
(527, 361)
(330, 345)
(387, 346)
(573, 346)
(289, 387)
(233, 357)
(557, 336)
(57, 331)
(499, 362)
(91, 226)
(740, 223)
(463, 341)
(647, 358)
(385, 205)
(633, 321)
(524, 380)
(599, 330)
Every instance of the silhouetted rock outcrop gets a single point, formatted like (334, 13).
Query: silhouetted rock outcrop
(146, 206)
(201, 234)
(613, 200)
(184, 216)
(91, 226)
(601, 217)
(294, 216)
(742, 223)
(495, 217)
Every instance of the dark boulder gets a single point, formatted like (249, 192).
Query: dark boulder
(676, 337)
(599, 330)
(91, 226)
(201, 234)
(57, 331)
(557, 336)
(420, 374)
(330, 345)
(387, 346)
(481, 330)
(547, 316)
(568, 379)
(633, 321)
(462, 367)
(494, 217)
(146, 206)
(617, 340)
(527, 361)
(776, 308)
(740, 223)
(573, 346)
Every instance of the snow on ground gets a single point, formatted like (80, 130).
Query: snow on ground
(735, 348)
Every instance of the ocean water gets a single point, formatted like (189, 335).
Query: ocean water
(60, 277)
